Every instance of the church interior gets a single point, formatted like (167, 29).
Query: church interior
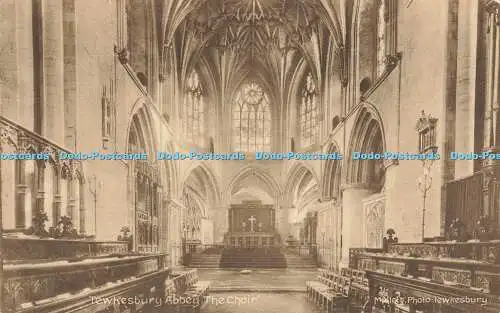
(101, 102)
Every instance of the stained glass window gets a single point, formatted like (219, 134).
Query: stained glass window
(193, 111)
(381, 38)
(251, 120)
(308, 114)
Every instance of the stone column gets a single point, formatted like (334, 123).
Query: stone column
(466, 84)
(351, 219)
(164, 222)
(71, 201)
(392, 218)
(70, 74)
(174, 231)
(281, 213)
(491, 168)
(56, 212)
(82, 208)
(54, 70)
(20, 192)
(221, 223)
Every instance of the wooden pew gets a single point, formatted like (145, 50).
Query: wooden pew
(186, 292)
(328, 292)
(196, 290)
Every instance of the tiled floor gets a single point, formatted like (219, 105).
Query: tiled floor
(258, 280)
(254, 302)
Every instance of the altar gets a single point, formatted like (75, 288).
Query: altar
(251, 216)
(251, 225)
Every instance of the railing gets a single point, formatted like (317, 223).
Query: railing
(251, 239)
(310, 250)
(28, 285)
(205, 248)
(47, 249)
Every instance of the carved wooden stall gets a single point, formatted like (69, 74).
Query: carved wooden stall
(433, 277)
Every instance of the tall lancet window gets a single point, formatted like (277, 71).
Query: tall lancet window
(308, 113)
(381, 27)
(251, 120)
(193, 111)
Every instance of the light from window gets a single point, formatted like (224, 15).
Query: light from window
(381, 38)
(308, 114)
(193, 111)
(251, 120)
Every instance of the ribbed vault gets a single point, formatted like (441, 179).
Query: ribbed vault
(234, 41)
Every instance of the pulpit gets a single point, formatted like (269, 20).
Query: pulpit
(251, 225)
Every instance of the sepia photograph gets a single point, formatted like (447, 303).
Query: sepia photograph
(250, 156)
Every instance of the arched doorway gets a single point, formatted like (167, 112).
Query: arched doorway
(363, 196)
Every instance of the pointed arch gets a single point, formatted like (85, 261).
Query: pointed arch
(141, 118)
(145, 180)
(367, 136)
(203, 174)
(251, 171)
(332, 173)
(302, 186)
(296, 173)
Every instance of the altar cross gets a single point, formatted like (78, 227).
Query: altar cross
(252, 220)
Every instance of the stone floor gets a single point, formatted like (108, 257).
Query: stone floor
(261, 291)
(255, 302)
(275, 280)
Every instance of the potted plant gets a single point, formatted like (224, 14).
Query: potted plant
(38, 225)
(67, 225)
(64, 229)
(125, 235)
(389, 239)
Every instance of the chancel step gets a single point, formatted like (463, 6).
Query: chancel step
(203, 260)
(253, 258)
(298, 261)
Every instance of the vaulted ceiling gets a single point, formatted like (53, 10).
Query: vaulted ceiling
(270, 41)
